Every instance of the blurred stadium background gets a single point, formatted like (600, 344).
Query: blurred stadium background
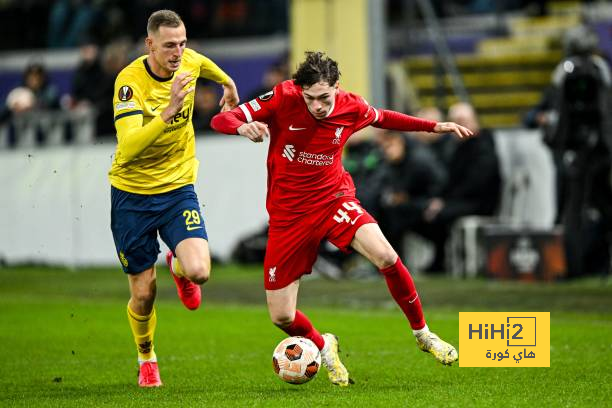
(404, 55)
(57, 141)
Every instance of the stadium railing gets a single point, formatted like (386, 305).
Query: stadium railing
(48, 128)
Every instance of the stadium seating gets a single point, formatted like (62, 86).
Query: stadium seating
(504, 76)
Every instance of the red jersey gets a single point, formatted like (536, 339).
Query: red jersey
(304, 158)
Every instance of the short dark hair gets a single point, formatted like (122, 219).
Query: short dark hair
(166, 18)
(317, 67)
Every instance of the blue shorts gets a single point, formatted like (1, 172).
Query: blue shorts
(137, 218)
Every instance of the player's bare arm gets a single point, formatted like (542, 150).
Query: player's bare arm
(254, 131)
(230, 97)
(178, 92)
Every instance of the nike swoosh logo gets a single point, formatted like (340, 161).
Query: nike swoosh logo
(155, 108)
(294, 128)
(193, 228)
(355, 220)
(415, 298)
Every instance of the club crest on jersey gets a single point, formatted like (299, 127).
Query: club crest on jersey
(125, 93)
(267, 96)
(338, 135)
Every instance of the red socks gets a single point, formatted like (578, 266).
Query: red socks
(301, 326)
(402, 289)
(404, 292)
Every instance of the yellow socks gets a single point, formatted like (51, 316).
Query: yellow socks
(176, 268)
(143, 329)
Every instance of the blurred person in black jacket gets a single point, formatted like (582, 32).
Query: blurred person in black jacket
(441, 144)
(86, 92)
(205, 106)
(114, 58)
(362, 158)
(579, 132)
(473, 186)
(411, 177)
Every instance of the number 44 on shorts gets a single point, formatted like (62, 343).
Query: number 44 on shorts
(343, 214)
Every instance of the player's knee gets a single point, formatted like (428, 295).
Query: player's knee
(144, 296)
(282, 320)
(197, 272)
(385, 258)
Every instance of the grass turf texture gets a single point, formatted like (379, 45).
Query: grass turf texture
(65, 341)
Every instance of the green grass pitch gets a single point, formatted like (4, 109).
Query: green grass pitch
(65, 341)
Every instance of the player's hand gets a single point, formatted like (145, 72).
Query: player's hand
(254, 131)
(452, 127)
(230, 97)
(178, 92)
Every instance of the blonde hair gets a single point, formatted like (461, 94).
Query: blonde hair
(166, 18)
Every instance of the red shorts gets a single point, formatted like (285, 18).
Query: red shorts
(293, 249)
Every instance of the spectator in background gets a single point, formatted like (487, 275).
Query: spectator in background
(575, 113)
(70, 20)
(411, 178)
(86, 92)
(473, 186)
(275, 74)
(19, 100)
(362, 158)
(114, 58)
(206, 105)
(36, 79)
(36, 93)
(442, 145)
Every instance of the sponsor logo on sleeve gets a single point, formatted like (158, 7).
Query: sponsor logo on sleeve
(255, 105)
(267, 96)
(125, 105)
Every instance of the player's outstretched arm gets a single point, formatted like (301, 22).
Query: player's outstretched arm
(388, 119)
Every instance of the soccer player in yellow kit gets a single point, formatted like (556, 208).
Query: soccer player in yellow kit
(153, 173)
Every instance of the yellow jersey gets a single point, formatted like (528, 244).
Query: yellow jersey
(152, 156)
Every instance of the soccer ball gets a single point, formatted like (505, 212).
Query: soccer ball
(296, 360)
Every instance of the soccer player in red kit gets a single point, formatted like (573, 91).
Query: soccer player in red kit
(311, 197)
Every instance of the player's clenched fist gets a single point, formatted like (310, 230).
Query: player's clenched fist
(255, 131)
